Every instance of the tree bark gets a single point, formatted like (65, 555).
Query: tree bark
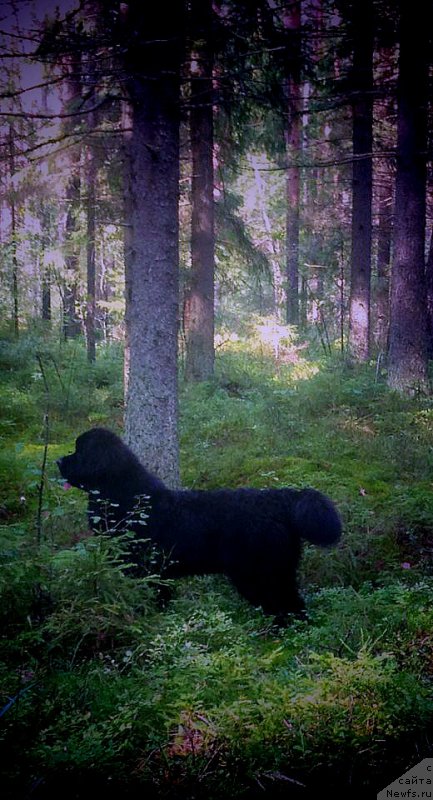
(90, 252)
(14, 236)
(71, 322)
(152, 64)
(46, 297)
(408, 340)
(429, 282)
(293, 121)
(362, 180)
(277, 276)
(384, 229)
(44, 217)
(199, 302)
(91, 177)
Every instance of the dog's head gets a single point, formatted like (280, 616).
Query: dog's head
(100, 456)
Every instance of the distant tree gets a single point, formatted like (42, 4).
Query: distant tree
(91, 177)
(13, 232)
(71, 64)
(199, 301)
(361, 86)
(384, 178)
(384, 192)
(43, 212)
(270, 245)
(291, 18)
(408, 340)
(46, 297)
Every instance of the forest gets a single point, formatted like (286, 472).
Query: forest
(216, 241)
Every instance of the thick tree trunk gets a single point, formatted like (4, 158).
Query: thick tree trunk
(429, 282)
(362, 106)
(152, 248)
(408, 340)
(199, 301)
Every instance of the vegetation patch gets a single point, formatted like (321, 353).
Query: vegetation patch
(202, 695)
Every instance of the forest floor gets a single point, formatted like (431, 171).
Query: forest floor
(102, 690)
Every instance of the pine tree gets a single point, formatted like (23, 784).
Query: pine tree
(199, 302)
(408, 347)
(362, 178)
(151, 45)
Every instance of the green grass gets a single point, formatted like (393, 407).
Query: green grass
(205, 697)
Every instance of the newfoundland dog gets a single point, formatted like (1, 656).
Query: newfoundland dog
(251, 535)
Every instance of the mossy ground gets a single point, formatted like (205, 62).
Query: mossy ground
(103, 689)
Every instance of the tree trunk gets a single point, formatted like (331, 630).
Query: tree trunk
(429, 282)
(362, 109)
(408, 340)
(46, 272)
(277, 277)
(152, 62)
(199, 302)
(71, 322)
(293, 131)
(92, 159)
(90, 252)
(14, 236)
(44, 217)
(384, 228)
(46, 296)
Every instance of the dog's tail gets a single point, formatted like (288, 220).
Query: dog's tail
(316, 518)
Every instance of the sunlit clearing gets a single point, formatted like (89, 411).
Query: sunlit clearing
(272, 333)
(275, 342)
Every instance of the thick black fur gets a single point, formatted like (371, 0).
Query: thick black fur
(251, 535)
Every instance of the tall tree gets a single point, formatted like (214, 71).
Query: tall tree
(362, 178)
(199, 302)
(384, 228)
(72, 97)
(151, 45)
(14, 233)
(429, 281)
(270, 243)
(291, 17)
(385, 133)
(91, 176)
(408, 339)
(44, 214)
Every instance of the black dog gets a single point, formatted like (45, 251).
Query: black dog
(251, 535)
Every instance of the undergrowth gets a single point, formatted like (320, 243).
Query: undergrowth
(103, 687)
